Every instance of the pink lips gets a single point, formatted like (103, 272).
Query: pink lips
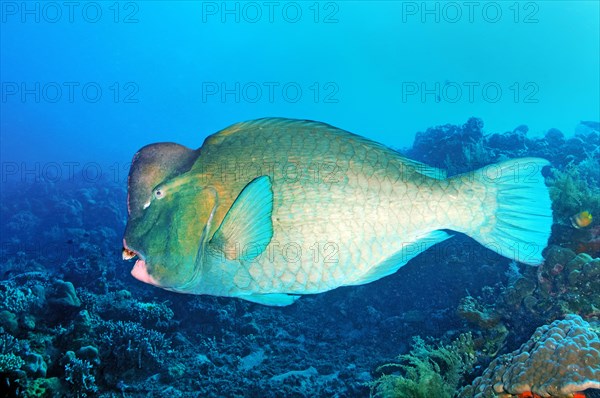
(140, 272)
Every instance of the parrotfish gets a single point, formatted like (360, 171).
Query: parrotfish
(272, 209)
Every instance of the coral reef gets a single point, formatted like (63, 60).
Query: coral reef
(558, 360)
(456, 149)
(427, 371)
(10, 361)
(576, 160)
(78, 373)
(566, 283)
(73, 322)
(486, 319)
(576, 189)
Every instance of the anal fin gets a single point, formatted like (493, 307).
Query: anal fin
(272, 299)
(401, 257)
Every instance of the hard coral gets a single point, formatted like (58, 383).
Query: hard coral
(79, 374)
(456, 149)
(559, 360)
(9, 349)
(566, 283)
(575, 189)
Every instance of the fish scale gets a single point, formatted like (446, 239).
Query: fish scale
(322, 204)
(297, 207)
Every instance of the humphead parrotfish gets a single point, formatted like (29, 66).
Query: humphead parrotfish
(272, 209)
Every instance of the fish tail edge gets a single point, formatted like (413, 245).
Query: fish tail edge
(518, 215)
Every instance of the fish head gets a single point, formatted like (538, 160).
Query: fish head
(152, 165)
(170, 210)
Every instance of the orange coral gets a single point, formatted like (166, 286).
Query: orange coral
(529, 394)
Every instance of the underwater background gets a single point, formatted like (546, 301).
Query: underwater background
(457, 85)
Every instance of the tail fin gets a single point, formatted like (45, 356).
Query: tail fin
(517, 209)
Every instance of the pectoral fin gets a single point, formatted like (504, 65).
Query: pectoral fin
(247, 227)
(209, 199)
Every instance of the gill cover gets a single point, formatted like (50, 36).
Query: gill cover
(173, 232)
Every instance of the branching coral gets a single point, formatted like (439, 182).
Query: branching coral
(79, 374)
(127, 345)
(9, 348)
(427, 371)
(120, 305)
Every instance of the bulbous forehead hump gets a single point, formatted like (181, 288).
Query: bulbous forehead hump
(150, 166)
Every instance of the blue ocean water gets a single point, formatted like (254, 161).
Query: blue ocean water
(356, 63)
(458, 85)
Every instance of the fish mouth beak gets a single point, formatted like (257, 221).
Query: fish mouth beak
(140, 272)
(128, 254)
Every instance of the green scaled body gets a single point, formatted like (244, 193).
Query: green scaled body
(271, 209)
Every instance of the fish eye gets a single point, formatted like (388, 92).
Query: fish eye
(159, 193)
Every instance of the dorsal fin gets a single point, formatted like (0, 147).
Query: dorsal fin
(283, 124)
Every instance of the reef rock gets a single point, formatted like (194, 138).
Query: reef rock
(558, 360)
